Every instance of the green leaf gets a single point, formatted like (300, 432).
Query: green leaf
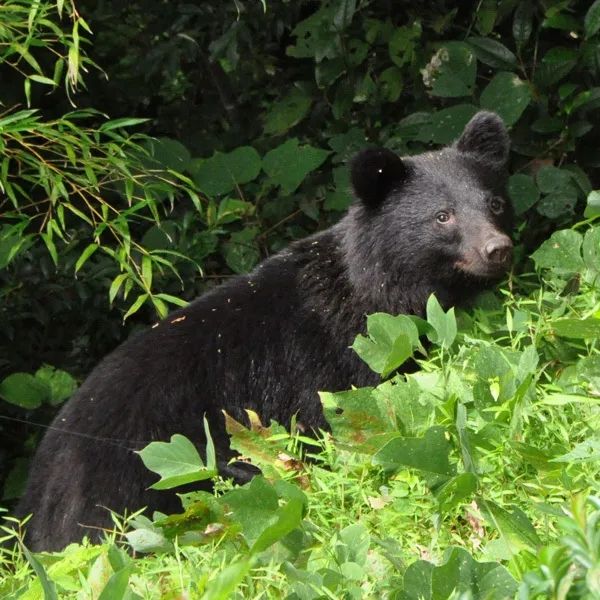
(551, 179)
(555, 65)
(591, 21)
(47, 585)
(287, 112)
(586, 451)
(60, 384)
(89, 250)
(116, 586)
(492, 53)
(221, 173)
(561, 253)
(455, 491)
(514, 527)
(289, 164)
(522, 22)
(460, 576)
(288, 517)
(241, 251)
(507, 95)
(592, 208)
(25, 390)
(224, 583)
(443, 323)
(451, 71)
(582, 329)
(447, 124)
(177, 462)
(429, 453)
(523, 192)
(390, 343)
(139, 301)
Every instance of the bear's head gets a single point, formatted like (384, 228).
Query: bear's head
(437, 222)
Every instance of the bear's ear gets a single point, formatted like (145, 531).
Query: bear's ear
(485, 137)
(374, 172)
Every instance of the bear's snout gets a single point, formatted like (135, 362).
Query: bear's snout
(498, 250)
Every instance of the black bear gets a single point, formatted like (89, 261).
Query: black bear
(269, 340)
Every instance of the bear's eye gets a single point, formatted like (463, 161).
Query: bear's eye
(442, 217)
(496, 205)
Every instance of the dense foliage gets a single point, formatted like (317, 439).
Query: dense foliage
(228, 128)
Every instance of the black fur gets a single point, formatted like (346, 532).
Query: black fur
(271, 339)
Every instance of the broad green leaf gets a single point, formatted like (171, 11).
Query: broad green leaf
(222, 172)
(522, 22)
(561, 253)
(586, 451)
(389, 344)
(447, 124)
(241, 251)
(506, 95)
(288, 517)
(25, 390)
(429, 453)
(523, 192)
(551, 179)
(492, 53)
(514, 527)
(289, 164)
(287, 112)
(591, 21)
(556, 205)
(593, 204)
(61, 385)
(116, 586)
(460, 576)
(451, 72)
(443, 323)
(577, 328)
(555, 65)
(177, 462)
(456, 490)
(360, 420)
(403, 43)
(486, 16)
(224, 583)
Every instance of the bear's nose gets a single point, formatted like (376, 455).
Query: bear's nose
(499, 249)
